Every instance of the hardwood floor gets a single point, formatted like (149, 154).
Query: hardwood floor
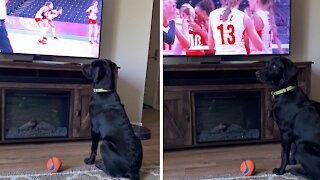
(33, 157)
(220, 160)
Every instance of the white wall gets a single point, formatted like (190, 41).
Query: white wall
(125, 40)
(313, 46)
(306, 37)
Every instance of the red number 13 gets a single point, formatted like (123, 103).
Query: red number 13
(231, 39)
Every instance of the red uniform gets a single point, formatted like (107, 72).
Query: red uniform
(92, 21)
(197, 41)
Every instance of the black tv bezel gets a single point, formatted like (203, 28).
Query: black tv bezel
(241, 55)
(50, 57)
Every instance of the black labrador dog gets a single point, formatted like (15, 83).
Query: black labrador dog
(296, 117)
(121, 149)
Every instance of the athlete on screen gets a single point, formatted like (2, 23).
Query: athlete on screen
(227, 26)
(196, 38)
(169, 15)
(263, 19)
(202, 9)
(50, 16)
(41, 20)
(92, 21)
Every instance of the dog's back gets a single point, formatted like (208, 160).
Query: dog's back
(306, 132)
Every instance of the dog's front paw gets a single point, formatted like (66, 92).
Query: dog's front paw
(278, 171)
(89, 160)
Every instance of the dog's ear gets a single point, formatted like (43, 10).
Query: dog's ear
(86, 71)
(290, 70)
(98, 72)
(112, 65)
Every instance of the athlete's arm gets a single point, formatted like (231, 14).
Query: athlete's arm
(182, 35)
(170, 36)
(273, 25)
(7, 2)
(278, 42)
(275, 34)
(88, 10)
(202, 32)
(45, 11)
(252, 33)
(257, 21)
(210, 38)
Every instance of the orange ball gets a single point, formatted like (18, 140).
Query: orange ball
(247, 167)
(54, 164)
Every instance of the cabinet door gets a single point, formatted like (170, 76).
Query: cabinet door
(85, 126)
(270, 127)
(176, 120)
(81, 120)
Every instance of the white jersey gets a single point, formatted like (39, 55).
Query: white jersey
(229, 35)
(93, 12)
(265, 34)
(175, 48)
(39, 13)
(3, 10)
(52, 14)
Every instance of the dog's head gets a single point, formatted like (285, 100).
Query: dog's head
(101, 72)
(277, 71)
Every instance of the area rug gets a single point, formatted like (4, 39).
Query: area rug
(262, 176)
(87, 173)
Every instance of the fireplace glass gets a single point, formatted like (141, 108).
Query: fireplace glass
(36, 114)
(227, 116)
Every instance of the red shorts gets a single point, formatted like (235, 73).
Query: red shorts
(92, 21)
(37, 19)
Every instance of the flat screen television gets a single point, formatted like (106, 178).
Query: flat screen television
(223, 28)
(68, 28)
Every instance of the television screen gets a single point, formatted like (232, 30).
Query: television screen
(56, 28)
(226, 27)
